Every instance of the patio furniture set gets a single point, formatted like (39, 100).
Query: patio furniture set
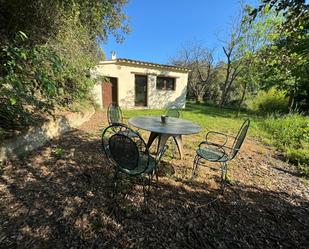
(129, 153)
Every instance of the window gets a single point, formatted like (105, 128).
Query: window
(166, 83)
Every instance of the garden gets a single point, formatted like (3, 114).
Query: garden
(62, 194)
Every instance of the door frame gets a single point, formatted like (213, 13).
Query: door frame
(146, 92)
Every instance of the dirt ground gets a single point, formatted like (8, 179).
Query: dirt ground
(61, 196)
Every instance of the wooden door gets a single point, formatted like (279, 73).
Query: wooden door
(110, 91)
(140, 90)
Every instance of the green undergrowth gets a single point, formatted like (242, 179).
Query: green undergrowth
(290, 134)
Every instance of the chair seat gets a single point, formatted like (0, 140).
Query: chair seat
(144, 166)
(212, 155)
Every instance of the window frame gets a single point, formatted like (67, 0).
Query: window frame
(165, 86)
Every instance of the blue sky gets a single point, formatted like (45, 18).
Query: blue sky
(161, 27)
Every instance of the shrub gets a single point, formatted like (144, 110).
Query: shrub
(290, 134)
(35, 79)
(47, 64)
(269, 102)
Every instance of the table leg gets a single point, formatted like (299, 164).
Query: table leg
(162, 141)
(178, 141)
(151, 138)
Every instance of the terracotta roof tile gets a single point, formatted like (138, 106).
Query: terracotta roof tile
(144, 63)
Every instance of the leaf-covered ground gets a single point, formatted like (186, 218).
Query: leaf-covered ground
(61, 196)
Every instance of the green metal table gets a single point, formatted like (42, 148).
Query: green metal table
(174, 127)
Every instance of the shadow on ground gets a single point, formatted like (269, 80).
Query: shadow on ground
(61, 197)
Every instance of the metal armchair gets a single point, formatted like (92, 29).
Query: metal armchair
(129, 154)
(218, 151)
(172, 112)
(114, 114)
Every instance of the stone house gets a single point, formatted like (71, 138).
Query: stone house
(139, 84)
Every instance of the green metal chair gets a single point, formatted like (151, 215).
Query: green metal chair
(172, 112)
(129, 154)
(114, 114)
(220, 152)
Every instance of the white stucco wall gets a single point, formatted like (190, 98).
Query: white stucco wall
(156, 99)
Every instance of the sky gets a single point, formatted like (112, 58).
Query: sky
(159, 28)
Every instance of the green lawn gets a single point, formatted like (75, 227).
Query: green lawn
(209, 118)
(289, 134)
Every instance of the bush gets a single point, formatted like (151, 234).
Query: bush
(270, 101)
(290, 134)
(36, 79)
(46, 65)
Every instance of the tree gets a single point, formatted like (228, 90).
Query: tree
(254, 37)
(46, 51)
(284, 62)
(294, 11)
(200, 61)
(232, 51)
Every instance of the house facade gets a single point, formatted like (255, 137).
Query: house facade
(138, 84)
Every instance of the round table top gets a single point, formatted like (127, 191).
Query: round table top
(174, 126)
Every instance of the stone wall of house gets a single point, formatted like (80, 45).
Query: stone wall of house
(156, 99)
(36, 137)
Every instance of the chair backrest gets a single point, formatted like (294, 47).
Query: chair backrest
(128, 153)
(239, 139)
(172, 113)
(114, 114)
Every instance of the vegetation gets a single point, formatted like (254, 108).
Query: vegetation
(291, 135)
(267, 49)
(46, 51)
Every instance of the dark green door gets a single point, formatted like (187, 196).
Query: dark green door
(140, 90)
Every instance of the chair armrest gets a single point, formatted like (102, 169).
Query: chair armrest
(218, 134)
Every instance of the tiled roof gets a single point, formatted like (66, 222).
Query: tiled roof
(144, 63)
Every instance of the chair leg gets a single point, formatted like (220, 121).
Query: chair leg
(195, 165)
(146, 189)
(223, 175)
(115, 181)
(156, 174)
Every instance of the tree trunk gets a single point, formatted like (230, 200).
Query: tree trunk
(291, 102)
(198, 98)
(242, 99)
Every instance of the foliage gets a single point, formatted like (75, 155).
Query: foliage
(283, 63)
(294, 11)
(42, 19)
(47, 49)
(271, 101)
(291, 135)
(29, 83)
(58, 152)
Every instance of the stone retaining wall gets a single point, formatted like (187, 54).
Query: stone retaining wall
(37, 136)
